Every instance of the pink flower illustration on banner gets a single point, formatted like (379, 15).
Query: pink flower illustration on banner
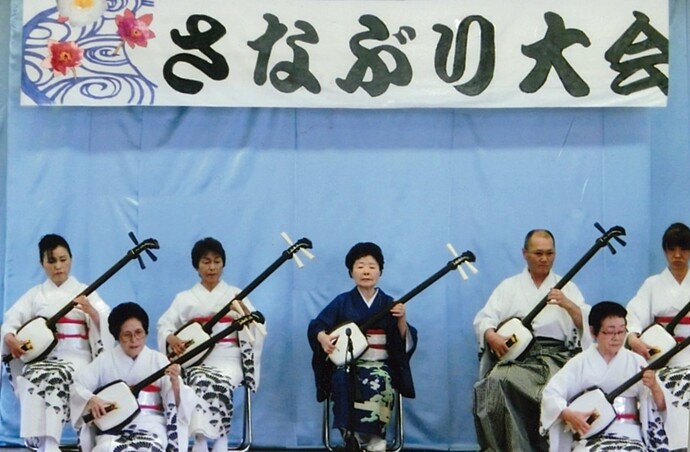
(134, 31)
(63, 56)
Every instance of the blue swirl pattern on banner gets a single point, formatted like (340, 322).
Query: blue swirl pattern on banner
(104, 74)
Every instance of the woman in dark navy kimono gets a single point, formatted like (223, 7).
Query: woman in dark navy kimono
(382, 368)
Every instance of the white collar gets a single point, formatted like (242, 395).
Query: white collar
(368, 302)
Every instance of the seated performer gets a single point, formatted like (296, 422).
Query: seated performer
(384, 366)
(166, 404)
(606, 365)
(659, 299)
(43, 386)
(235, 360)
(507, 396)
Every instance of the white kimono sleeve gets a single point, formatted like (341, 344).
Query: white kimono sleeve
(86, 381)
(100, 338)
(169, 322)
(251, 347)
(17, 315)
(554, 401)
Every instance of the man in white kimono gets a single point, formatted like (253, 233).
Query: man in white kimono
(638, 425)
(507, 396)
(43, 386)
(659, 300)
(165, 404)
(235, 360)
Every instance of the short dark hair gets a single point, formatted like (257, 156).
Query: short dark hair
(203, 246)
(361, 250)
(48, 243)
(676, 235)
(123, 312)
(535, 231)
(603, 310)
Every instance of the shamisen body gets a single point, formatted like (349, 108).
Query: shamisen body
(601, 397)
(114, 404)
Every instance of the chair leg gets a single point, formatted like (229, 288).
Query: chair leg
(326, 428)
(247, 436)
(399, 430)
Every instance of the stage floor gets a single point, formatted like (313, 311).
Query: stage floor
(22, 449)
(74, 449)
(66, 449)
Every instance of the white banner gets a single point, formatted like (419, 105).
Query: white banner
(346, 53)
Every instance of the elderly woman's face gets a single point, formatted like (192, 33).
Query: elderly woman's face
(611, 336)
(132, 337)
(210, 269)
(366, 272)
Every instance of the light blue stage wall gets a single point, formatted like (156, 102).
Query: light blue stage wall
(410, 180)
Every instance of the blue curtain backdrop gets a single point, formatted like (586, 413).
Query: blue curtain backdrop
(410, 180)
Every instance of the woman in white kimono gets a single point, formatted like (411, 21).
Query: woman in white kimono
(233, 361)
(43, 386)
(165, 405)
(659, 299)
(605, 365)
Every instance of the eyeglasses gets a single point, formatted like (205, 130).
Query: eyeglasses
(130, 335)
(613, 334)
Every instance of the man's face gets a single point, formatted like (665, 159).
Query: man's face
(539, 255)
